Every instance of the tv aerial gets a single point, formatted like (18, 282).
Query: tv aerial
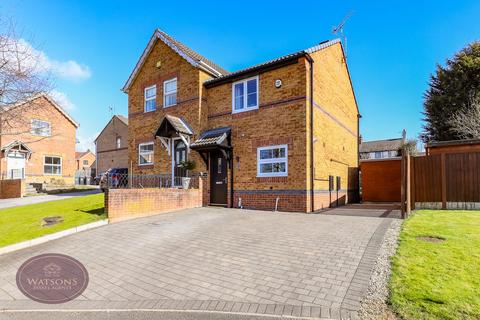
(338, 30)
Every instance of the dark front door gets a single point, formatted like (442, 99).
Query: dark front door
(179, 155)
(218, 178)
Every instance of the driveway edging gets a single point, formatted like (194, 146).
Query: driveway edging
(52, 236)
(361, 279)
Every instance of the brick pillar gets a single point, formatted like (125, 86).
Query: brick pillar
(203, 188)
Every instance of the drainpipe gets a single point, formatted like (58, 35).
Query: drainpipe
(359, 141)
(312, 169)
(231, 178)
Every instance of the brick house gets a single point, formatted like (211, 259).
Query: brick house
(38, 142)
(282, 134)
(112, 145)
(381, 149)
(85, 159)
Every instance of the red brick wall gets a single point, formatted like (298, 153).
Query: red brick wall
(61, 142)
(14, 188)
(125, 204)
(381, 180)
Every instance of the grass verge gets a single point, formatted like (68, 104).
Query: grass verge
(439, 277)
(25, 222)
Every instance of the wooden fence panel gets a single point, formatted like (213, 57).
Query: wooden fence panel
(427, 179)
(463, 170)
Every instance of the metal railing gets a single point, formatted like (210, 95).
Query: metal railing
(132, 181)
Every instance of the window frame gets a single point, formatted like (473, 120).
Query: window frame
(32, 130)
(85, 162)
(52, 165)
(272, 160)
(165, 93)
(245, 94)
(149, 152)
(118, 142)
(145, 99)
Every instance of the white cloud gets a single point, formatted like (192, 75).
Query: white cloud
(70, 70)
(86, 142)
(62, 100)
(39, 61)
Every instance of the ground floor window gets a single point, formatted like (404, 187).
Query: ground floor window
(145, 153)
(272, 161)
(52, 165)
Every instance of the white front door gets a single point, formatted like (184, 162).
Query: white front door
(15, 165)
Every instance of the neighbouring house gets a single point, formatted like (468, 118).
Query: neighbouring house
(282, 134)
(38, 142)
(111, 145)
(85, 167)
(454, 146)
(381, 149)
(85, 159)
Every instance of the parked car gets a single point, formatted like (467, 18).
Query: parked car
(114, 178)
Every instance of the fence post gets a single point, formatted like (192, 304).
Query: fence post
(402, 187)
(408, 185)
(444, 182)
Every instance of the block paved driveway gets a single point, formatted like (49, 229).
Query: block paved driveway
(219, 260)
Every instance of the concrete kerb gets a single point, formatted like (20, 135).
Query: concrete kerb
(52, 236)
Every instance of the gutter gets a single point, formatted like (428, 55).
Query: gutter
(312, 168)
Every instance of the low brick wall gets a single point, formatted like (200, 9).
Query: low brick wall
(124, 204)
(14, 188)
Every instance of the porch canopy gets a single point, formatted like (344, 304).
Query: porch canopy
(17, 146)
(218, 139)
(171, 127)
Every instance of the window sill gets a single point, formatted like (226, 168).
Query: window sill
(145, 111)
(172, 105)
(273, 176)
(145, 164)
(244, 110)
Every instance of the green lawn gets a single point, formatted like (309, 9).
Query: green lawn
(438, 280)
(25, 222)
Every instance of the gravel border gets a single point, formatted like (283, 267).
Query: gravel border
(374, 305)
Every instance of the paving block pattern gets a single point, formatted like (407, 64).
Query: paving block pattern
(223, 260)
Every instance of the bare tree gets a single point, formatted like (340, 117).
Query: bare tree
(466, 122)
(410, 147)
(22, 77)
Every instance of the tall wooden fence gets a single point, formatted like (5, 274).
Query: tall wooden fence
(443, 181)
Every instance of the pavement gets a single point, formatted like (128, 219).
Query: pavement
(15, 202)
(210, 263)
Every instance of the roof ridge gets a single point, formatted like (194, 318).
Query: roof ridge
(318, 47)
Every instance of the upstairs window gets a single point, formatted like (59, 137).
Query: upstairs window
(40, 128)
(52, 165)
(145, 153)
(245, 95)
(119, 142)
(150, 99)
(272, 161)
(170, 93)
(85, 162)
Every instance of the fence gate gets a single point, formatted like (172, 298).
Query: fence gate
(381, 180)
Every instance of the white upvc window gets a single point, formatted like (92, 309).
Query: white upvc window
(52, 165)
(145, 153)
(119, 142)
(170, 93)
(150, 95)
(40, 128)
(245, 95)
(272, 161)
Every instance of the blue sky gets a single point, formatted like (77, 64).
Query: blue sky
(393, 46)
